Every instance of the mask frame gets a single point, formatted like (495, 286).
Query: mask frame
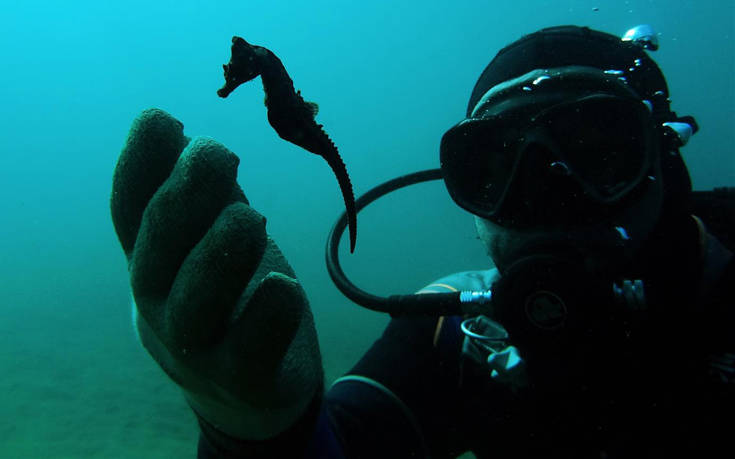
(483, 156)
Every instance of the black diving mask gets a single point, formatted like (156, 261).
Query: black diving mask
(578, 125)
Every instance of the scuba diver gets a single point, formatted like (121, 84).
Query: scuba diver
(605, 328)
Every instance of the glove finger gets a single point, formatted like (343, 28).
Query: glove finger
(213, 277)
(155, 141)
(260, 339)
(201, 184)
(273, 261)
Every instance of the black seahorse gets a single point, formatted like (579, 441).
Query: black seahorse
(290, 115)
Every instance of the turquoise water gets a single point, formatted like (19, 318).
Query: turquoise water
(389, 77)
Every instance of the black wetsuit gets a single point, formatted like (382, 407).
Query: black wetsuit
(676, 401)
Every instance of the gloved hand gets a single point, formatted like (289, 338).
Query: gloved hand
(218, 306)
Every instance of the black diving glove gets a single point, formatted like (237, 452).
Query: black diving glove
(218, 306)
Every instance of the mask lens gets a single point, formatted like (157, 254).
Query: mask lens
(477, 163)
(604, 142)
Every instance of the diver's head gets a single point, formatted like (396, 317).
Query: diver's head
(569, 144)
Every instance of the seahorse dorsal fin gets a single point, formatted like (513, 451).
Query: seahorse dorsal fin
(313, 107)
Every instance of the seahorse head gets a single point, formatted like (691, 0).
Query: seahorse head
(243, 66)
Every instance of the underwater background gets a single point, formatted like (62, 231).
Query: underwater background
(389, 76)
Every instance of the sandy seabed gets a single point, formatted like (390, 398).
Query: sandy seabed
(77, 384)
(72, 390)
